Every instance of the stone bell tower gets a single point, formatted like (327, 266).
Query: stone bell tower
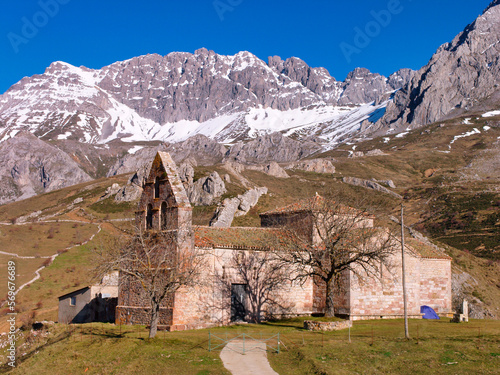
(164, 208)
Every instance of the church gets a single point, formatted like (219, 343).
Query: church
(225, 294)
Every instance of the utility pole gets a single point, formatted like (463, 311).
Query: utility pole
(404, 273)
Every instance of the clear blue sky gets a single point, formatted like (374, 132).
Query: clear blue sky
(97, 33)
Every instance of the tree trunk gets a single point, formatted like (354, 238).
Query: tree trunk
(330, 306)
(257, 316)
(155, 316)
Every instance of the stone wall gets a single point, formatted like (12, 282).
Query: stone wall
(428, 282)
(435, 284)
(327, 326)
(209, 303)
(142, 315)
(383, 296)
(343, 295)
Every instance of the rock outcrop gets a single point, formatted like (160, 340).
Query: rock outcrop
(206, 190)
(186, 172)
(273, 146)
(462, 74)
(30, 166)
(272, 169)
(369, 185)
(234, 207)
(314, 165)
(110, 191)
(128, 193)
(138, 163)
(199, 148)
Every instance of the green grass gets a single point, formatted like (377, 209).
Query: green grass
(110, 206)
(376, 347)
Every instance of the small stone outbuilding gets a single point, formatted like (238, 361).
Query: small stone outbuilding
(95, 303)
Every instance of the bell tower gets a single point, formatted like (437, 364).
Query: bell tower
(163, 210)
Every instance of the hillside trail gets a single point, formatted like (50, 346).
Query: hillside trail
(51, 257)
(71, 217)
(253, 361)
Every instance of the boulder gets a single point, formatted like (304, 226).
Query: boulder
(234, 207)
(128, 193)
(314, 165)
(206, 190)
(111, 190)
(369, 185)
(274, 169)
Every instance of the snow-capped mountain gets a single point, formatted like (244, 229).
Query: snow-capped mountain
(170, 98)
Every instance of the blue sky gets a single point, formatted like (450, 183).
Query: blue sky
(381, 35)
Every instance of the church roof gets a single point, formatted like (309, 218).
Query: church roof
(424, 250)
(263, 238)
(236, 237)
(168, 165)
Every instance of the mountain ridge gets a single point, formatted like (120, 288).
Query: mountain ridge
(154, 96)
(101, 117)
(460, 76)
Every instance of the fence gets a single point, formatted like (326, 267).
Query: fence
(243, 343)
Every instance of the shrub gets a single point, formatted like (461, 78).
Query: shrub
(50, 233)
(47, 262)
(27, 321)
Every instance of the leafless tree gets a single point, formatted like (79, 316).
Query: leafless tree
(333, 239)
(151, 260)
(264, 277)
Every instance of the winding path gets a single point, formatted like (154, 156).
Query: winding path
(51, 257)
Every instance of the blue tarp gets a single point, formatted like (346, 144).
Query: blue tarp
(428, 312)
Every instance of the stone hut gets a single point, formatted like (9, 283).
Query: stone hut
(94, 303)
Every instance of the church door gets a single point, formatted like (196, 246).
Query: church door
(238, 302)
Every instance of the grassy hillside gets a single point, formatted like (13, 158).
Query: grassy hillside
(67, 224)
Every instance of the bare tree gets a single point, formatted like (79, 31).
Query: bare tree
(151, 260)
(264, 277)
(333, 239)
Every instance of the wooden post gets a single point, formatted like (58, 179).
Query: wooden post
(404, 273)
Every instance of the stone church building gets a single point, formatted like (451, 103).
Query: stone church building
(223, 296)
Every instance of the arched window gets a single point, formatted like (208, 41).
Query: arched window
(157, 187)
(163, 215)
(149, 217)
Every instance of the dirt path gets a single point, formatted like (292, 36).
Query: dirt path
(52, 257)
(254, 361)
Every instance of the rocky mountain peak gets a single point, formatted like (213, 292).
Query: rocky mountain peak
(154, 97)
(362, 85)
(462, 74)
